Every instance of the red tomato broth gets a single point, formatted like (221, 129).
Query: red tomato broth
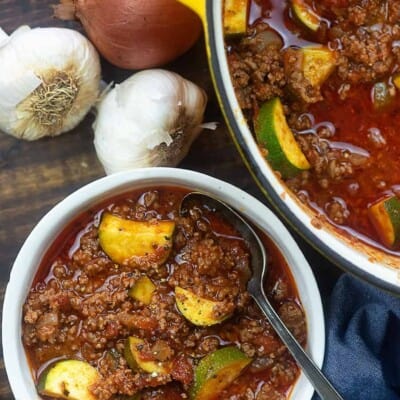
(353, 119)
(68, 242)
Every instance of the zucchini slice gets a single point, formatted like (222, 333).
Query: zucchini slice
(123, 239)
(143, 290)
(274, 134)
(198, 310)
(135, 360)
(318, 64)
(217, 371)
(385, 217)
(306, 15)
(235, 17)
(68, 379)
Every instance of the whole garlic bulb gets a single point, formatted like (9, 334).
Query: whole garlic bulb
(49, 80)
(149, 120)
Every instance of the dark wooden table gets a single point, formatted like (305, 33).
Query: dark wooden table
(34, 176)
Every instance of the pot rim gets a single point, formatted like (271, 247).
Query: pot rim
(348, 253)
(52, 224)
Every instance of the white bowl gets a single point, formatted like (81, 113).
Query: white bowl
(51, 225)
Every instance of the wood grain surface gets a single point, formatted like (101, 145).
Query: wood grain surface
(34, 176)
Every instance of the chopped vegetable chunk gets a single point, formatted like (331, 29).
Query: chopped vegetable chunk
(318, 64)
(217, 371)
(69, 379)
(199, 311)
(306, 15)
(235, 16)
(143, 290)
(382, 95)
(135, 360)
(123, 239)
(396, 81)
(274, 134)
(385, 216)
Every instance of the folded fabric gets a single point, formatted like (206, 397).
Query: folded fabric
(362, 358)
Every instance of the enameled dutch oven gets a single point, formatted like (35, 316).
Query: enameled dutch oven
(346, 251)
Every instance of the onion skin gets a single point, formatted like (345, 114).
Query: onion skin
(135, 34)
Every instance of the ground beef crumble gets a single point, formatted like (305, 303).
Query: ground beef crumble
(257, 72)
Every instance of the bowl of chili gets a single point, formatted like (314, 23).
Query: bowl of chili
(311, 94)
(116, 295)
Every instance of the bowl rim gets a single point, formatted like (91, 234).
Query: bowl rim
(52, 224)
(345, 254)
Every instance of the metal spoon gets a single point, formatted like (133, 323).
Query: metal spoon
(256, 290)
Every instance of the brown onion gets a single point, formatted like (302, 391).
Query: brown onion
(135, 34)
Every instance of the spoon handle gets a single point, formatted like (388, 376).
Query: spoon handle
(317, 379)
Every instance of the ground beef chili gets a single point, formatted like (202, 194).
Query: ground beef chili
(80, 306)
(350, 139)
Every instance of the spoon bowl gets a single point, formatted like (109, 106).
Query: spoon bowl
(255, 288)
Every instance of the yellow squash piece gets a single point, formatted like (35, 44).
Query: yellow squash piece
(306, 15)
(396, 80)
(68, 379)
(123, 239)
(274, 134)
(235, 17)
(143, 290)
(198, 310)
(217, 371)
(135, 361)
(318, 64)
(385, 217)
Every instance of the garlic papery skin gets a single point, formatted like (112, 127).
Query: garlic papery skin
(49, 80)
(149, 120)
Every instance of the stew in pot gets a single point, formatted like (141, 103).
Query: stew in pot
(319, 83)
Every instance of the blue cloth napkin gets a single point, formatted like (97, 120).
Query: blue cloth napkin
(362, 358)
